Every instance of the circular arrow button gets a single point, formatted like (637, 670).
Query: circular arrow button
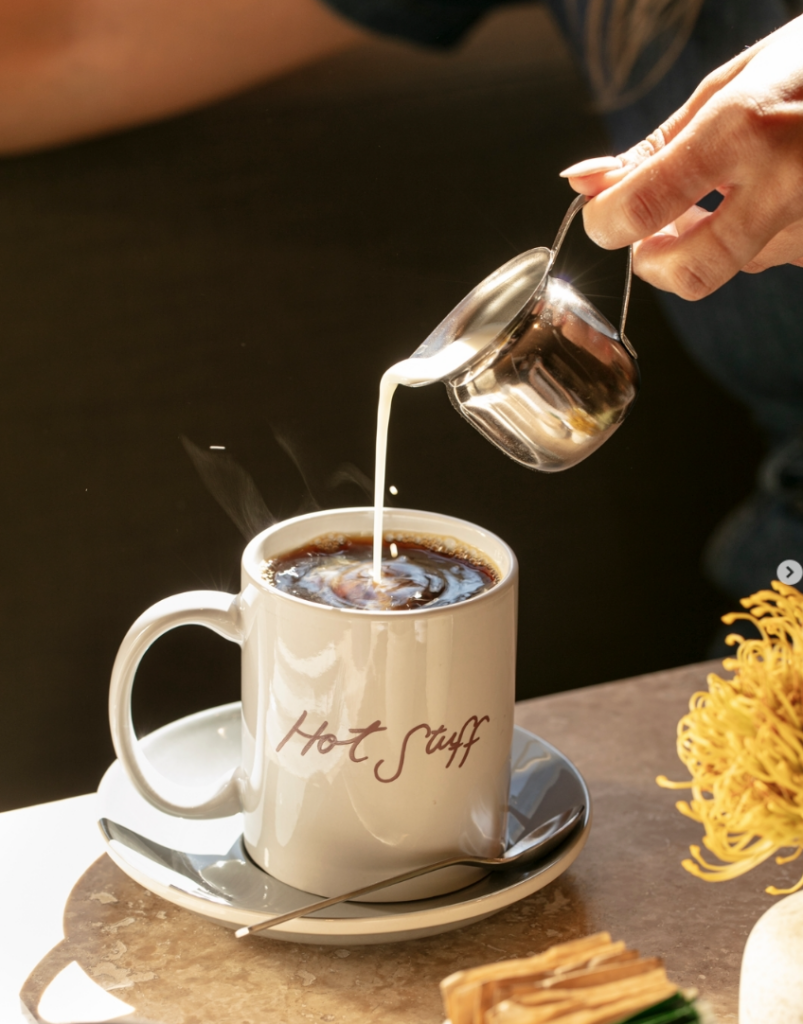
(790, 572)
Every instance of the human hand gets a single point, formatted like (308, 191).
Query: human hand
(741, 134)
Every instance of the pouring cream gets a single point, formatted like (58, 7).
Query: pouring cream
(414, 372)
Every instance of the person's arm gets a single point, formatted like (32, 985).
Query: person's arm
(741, 133)
(75, 68)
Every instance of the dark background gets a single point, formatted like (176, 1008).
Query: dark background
(247, 273)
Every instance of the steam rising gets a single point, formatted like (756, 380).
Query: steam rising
(309, 504)
(348, 473)
(232, 488)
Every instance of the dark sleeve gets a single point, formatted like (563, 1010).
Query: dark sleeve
(430, 22)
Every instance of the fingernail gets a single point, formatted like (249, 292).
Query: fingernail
(599, 165)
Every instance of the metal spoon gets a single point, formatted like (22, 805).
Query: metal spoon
(528, 849)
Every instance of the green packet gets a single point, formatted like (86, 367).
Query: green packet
(678, 1009)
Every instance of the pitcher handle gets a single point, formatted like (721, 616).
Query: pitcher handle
(565, 224)
(217, 611)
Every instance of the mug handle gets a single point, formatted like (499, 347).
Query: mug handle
(217, 611)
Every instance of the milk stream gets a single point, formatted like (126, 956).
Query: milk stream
(413, 373)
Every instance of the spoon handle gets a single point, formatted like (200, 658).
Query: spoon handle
(538, 843)
(271, 922)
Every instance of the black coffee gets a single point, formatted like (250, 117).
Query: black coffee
(337, 570)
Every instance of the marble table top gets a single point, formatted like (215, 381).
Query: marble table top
(131, 956)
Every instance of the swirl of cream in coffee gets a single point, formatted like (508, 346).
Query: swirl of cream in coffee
(339, 572)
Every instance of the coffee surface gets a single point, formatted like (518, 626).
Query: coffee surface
(416, 573)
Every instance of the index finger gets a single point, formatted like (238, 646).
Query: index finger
(699, 159)
(590, 177)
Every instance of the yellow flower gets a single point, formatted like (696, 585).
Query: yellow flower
(742, 743)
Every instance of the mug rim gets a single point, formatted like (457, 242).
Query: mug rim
(251, 562)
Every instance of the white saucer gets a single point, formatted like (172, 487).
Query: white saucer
(204, 746)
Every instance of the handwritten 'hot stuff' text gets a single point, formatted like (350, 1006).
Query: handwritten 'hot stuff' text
(437, 739)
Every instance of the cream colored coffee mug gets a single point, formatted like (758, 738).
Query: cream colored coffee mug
(373, 742)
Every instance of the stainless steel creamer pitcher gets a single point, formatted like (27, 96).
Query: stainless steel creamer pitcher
(545, 376)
